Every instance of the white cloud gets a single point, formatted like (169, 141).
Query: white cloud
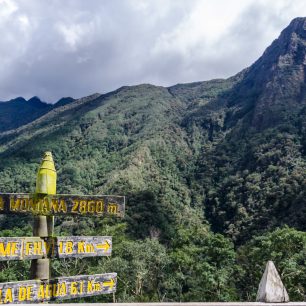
(58, 48)
(72, 34)
(7, 8)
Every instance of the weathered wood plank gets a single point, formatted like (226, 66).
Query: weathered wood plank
(34, 291)
(61, 204)
(23, 248)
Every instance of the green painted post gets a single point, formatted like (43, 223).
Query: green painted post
(43, 225)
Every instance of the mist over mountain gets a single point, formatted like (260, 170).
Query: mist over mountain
(211, 170)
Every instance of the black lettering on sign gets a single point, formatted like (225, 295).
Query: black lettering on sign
(61, 288)
(22, 248)
(99, 205)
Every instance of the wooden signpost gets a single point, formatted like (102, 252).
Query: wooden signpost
(61, 288)
(44, 204)
(60, 204)
(22, 248)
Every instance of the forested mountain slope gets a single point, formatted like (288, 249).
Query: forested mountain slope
(259, 168)
(210, 170)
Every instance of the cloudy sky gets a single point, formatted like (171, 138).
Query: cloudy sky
(57, 48)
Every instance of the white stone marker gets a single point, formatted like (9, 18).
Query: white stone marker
(271, 288)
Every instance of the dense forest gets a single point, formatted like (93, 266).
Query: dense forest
(214, 174)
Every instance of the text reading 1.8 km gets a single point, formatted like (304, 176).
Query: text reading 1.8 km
(22, 248)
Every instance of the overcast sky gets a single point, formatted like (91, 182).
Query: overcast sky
(57, 48)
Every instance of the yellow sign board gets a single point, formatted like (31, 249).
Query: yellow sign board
(98, 205)
(35, 291)
(22, 248)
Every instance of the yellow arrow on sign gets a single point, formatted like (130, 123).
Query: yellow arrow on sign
(104, 246)
(111, 283)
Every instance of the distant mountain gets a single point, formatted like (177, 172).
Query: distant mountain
(225, 156)
(64, 101)
(18, 112)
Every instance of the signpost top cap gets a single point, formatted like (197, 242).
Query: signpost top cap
(47, 162)
(46, 176)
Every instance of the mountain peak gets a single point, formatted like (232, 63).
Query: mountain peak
(297, 25)
(276, 81)
(63, 101)
(16, 100)
(292, 38)
(291, 42)
(37, 103)
(34, 99)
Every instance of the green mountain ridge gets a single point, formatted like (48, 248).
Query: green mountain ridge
(210, 170)
(19, 111)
